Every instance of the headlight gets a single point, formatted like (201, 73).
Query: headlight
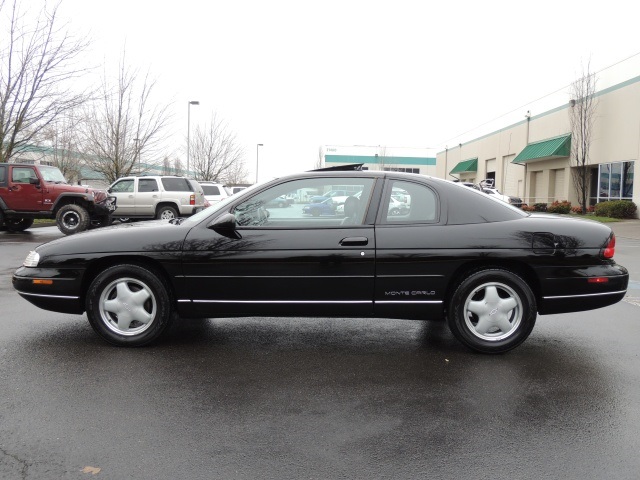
(32, 259)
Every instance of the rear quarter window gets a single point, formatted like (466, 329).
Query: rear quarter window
(466, 205)
(3, 174)
(176, 185)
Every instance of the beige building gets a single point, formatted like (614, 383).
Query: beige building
(531, 158)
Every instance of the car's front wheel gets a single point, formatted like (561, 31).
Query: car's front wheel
(72, 219)
(129, 305)
(492, 311)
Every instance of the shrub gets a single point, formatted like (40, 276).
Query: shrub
(578, 209)
(616, 209)
(563, 207)
(527, 208)
(539, 207)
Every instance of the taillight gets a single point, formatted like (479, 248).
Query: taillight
(610, 248)
(192, 200)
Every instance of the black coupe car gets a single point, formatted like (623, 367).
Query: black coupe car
(486, 267)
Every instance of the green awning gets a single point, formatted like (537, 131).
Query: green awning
(470, 165)
(557, 147)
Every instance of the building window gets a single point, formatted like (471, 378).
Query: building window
(615, 181)
(401, 169)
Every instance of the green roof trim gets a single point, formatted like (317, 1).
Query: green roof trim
(469, 165)
(557, 147)
(386, 160)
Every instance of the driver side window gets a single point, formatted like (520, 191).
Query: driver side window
(308, 203)
(123, 186)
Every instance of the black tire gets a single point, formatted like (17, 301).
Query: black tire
(315, 212)
(394, 212)
(129, 305)
(166, 212)
(492, 311)
(72, 219)
(18, 224)
(100, 221)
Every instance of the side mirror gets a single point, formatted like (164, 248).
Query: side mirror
(109, 190)
(225, 223)
(34, 181)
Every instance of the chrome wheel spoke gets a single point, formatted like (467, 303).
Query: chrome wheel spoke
(125, 310)
(496, 314)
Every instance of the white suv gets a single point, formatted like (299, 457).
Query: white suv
(162, 197)
(214, 192)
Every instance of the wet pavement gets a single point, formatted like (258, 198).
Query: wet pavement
(317, 398)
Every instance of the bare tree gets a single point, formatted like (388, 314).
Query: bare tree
(37, 70)
(166, 166)
(381, 157)
(122, 123)
(582, 112)
(215, 153)
(320, 159)
(237, 174)
(177, 165)
(65, 144)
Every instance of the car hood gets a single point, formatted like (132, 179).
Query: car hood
(60, 188)
(158, 235)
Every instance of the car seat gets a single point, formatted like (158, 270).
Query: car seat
(351, 208)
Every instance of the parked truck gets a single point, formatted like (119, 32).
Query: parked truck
(29, 192)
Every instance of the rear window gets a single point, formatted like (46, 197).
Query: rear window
(3, 173)
(147, 185)
(211, 190)
(176, 185)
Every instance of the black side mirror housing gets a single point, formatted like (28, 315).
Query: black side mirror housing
(225, 225)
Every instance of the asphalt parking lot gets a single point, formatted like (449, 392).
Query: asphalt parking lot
(318, 398)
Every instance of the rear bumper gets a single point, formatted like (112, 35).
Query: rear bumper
(575, 290)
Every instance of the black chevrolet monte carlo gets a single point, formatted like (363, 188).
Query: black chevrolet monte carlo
(455, 254)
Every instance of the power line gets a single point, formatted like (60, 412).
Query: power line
(534, 101)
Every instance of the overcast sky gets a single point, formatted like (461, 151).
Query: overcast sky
(295, 75)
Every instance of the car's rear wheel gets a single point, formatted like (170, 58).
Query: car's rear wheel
(18, 224)
(166, 213)
(129, 305)
(492, 311)
(72, 219)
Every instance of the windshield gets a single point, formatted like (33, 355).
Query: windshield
(52, 174)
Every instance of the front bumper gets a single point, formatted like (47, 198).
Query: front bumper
(50, 289)
(107, 206)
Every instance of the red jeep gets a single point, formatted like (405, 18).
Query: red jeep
(29, 191)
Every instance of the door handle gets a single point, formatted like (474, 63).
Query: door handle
(354, 241)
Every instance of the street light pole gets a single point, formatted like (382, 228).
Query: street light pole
(191, 102)
(257, 150)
